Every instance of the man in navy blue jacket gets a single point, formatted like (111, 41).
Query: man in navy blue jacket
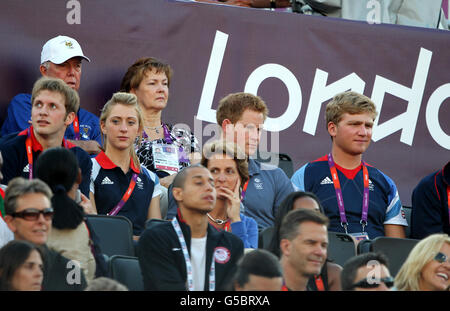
(358, 198)
(430, 204)
(61, 58)
(187, 253)
(54, 105)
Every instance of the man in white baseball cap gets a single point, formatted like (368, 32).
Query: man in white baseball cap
(61, 57)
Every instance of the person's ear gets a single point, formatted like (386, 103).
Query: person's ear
(9, 220)
(43, 70)
(177, 194)
(332, 129)
(285, 247)
(103, 127)
(69, 118)
(226, 124)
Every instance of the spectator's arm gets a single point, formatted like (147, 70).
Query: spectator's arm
(90, 146)
(426, 213)
(19, 115)
(394, 231)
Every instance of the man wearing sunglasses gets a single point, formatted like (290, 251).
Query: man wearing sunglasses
(366, 272)
(29, 216)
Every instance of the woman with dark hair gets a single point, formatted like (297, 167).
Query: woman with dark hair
(229, 168)
(329, 278)
(21, 266)
(58, 168)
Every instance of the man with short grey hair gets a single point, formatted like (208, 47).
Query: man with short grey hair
(61, 57)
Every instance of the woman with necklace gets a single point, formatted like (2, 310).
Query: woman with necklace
(229, 168)
(164, 149)
(119, 184)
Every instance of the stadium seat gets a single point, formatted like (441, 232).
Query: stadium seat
(284, 161)
(126, 270)
(341, 247)
(265, 236)
(408, 211)
(396, 250)
(115, 234)
(151, 222)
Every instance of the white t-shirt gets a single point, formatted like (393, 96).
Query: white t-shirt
(198, 262)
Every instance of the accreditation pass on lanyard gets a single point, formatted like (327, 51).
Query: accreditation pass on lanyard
(165, 157)
(340, 199)
(187, 259)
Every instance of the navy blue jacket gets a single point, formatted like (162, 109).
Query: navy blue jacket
(384, 203)
(15, 161)
(19, 115)
(162, 262)
(430, 209)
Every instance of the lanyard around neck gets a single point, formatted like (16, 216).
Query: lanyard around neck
(340, 198)
(448, 202)
(125, 197)
(244, 190)
(167, 137)
(29, 149)
(187, 259)
(76, 128)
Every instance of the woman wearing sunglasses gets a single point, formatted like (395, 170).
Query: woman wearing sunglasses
(427, 267)
(29, 215)
(21, 267)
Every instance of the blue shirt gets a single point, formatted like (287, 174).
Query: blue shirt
(246, 230)
(19, 115)
(109, 183)
(268, 186)
(384, 202)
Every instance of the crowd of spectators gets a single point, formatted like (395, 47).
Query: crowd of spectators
(198, 213)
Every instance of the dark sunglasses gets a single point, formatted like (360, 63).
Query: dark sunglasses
(441, 258)
(374, 283)
(33, 213)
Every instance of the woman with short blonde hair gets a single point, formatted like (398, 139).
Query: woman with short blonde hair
(427, 267)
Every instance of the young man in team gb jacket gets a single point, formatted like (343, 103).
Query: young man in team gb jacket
(54, 105)
(187, 253)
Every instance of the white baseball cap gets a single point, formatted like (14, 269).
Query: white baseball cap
(61, 48)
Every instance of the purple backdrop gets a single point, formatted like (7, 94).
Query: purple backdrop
(296, 63)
